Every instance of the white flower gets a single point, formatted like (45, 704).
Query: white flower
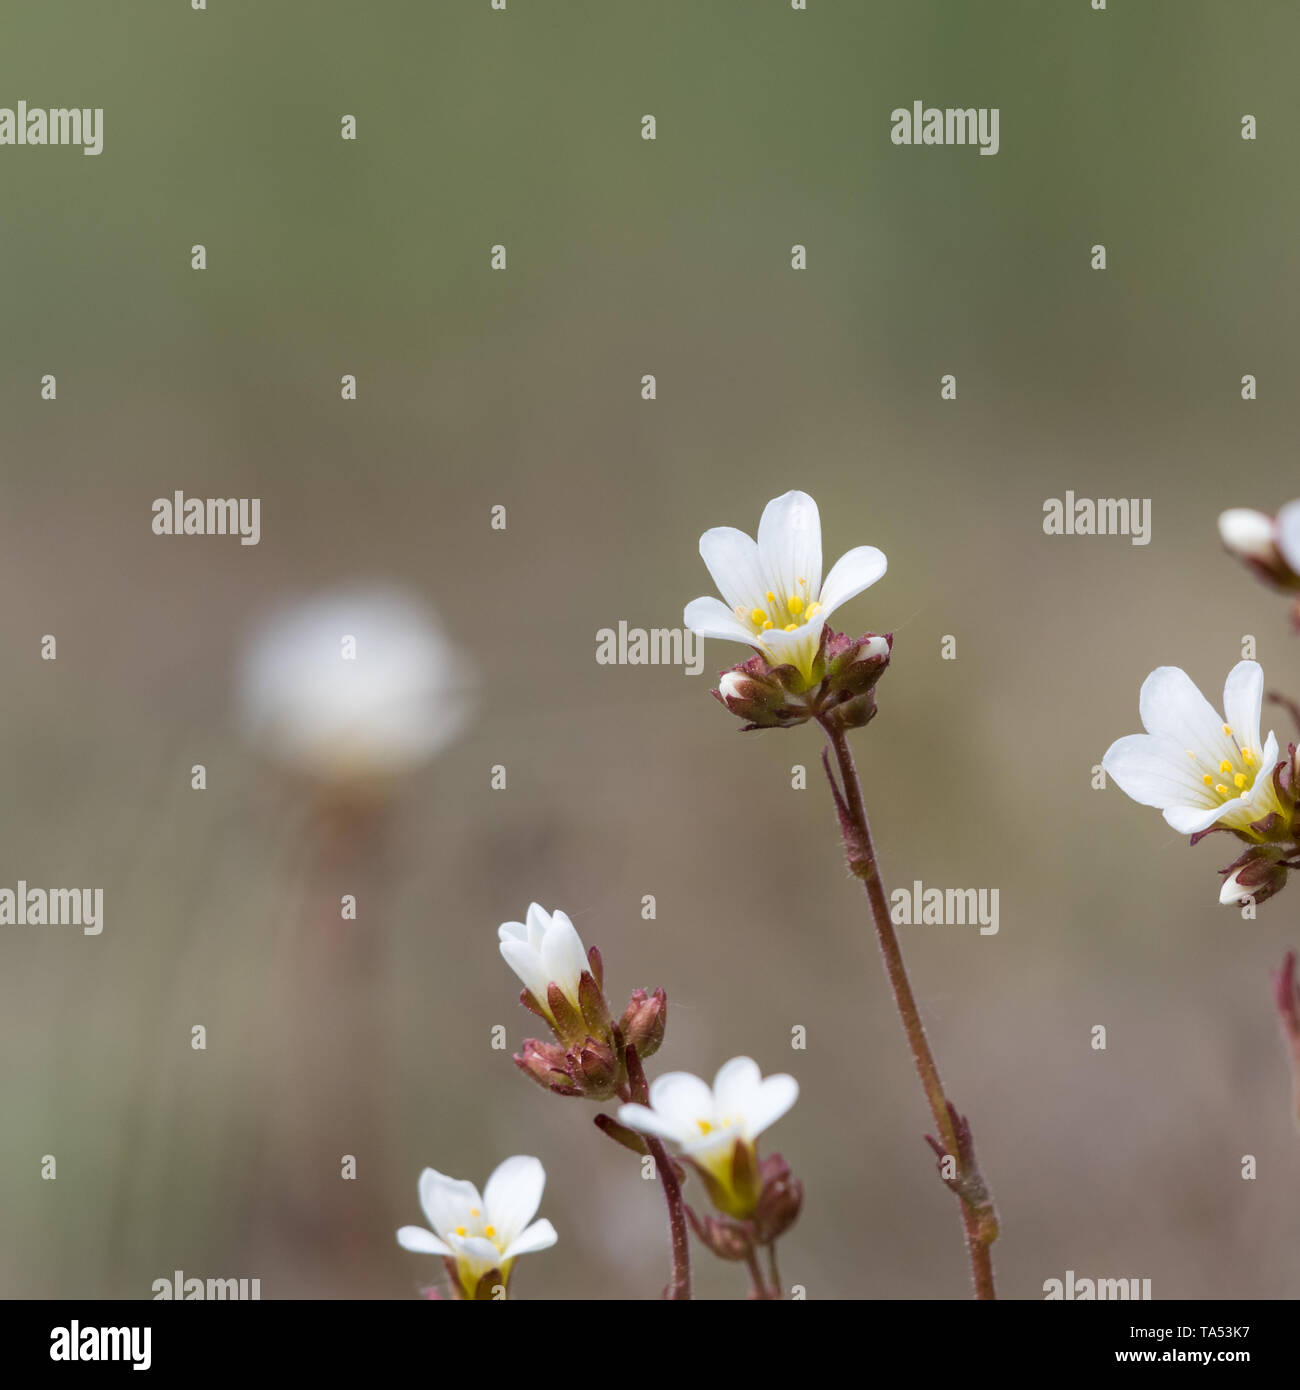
(482, 1233)
(1247, 533)
(1233, 892)
(545, 949)
(1199, 768)
(1288, 536)
(707, 1122)
(775, 598)
(378, 704)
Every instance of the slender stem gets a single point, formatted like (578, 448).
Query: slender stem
(759, 1289)
(978, 1216)
(680, 1285)
(778, 1289)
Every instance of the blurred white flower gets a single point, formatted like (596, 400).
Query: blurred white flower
(545, 949)
(482, 1233)
(776, 601)
(350, 684)
(1199, 768)
(716, 1127)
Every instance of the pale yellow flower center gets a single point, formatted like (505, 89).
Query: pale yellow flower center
(1233, 777)
(788, 612)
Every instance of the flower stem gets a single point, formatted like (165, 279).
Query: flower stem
(955, 1142)
(679, 1287)
(778, 1290)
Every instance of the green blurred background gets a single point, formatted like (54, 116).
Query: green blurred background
(522, 388)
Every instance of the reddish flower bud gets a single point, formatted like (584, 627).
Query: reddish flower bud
(644, 1020)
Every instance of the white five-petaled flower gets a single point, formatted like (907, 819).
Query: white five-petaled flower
(1199, 767)
(358, 683)
(775, 598)
(707, 1122)
(542, 950)
(482, 1233)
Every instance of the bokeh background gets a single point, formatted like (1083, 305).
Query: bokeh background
(522, 388)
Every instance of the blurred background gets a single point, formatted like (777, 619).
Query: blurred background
(523, 389)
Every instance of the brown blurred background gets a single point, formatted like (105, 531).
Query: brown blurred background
(522, 388)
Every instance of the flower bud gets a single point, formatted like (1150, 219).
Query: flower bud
(643, 1021)
(595, 1069)
(1255, 877)
(548, 1065)
(779, 1201)
(727, 1239)
(1255, 538)
(754, 692)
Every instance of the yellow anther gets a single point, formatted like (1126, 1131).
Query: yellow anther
(803, 581)
(814, 609)
(460, 1230)
(767, 624)
(1227, 729)
(489, 1231)
(791, 627)
(1240, 780)
(1190, 754)
(795, 605)
(1208, 780)
(1221, 789)
(758, 616)
(1225, 766)
(771, 597)
(1248, 757)
(473, 1211)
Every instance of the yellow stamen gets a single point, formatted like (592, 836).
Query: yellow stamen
(460, 1230)
(1227, 729)
(814, 609)
(790, 627)
(1221, 789)
(1225, 766)
(795, 605)
(1248, 756)
(771, 597)
(705, 1126)
(767, 624)
(1208, 780)
(1240, 780)
(489, 1231)
(758, 616)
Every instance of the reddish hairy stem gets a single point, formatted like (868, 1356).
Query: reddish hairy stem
(978, 1216)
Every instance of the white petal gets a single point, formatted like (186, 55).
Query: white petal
(527, 964)
(1191, 820)
(1247, 532)
(1172, 707)
(1288, 535)
(512, 1195)
(563, 955)
(682, 1100)
(642, 1118)
(733, 561)
(1156, 772)
(421, 1241)
(790, 545)
(539, 1236)
(512, 931)
(1230, 892)
(851, 573)
(446, 1201)
(776, 1095)
(1243, 696)
(736, 1085)
(478, 1253)
(710, 617)
(539, 921)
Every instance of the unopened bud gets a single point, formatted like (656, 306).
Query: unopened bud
(779, 1201)
(754, 692)
(548, 1065)
(1263, 543)
(644, 1020)
(1255, 877)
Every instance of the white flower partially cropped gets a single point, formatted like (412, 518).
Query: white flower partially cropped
(486, 1232)
(353, 683)
(1248, 533)
(543, 949)
(707, 1121)
(775, 598)
(1199, 767)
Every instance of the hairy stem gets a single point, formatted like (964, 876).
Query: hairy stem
(955, 1142)
(679, 1286)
